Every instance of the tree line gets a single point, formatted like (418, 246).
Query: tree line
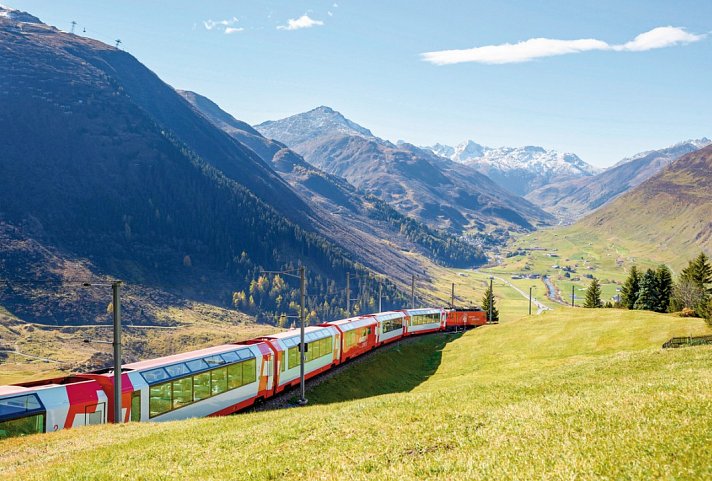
(655, 290)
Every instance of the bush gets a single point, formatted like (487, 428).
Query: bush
(687, 312)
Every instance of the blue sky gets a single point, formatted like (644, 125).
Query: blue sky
(610, 95)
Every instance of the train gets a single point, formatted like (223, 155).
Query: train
(214, 381)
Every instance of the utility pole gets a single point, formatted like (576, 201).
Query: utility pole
(573, 296)
(348, 294)
(118, 42)
(302, 289)
(116, 301)
(412, 292)
(380, 294)
(530, 300)
(452, 297)
(491, 294)
(74, 24)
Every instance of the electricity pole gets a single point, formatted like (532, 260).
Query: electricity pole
(116, 293)
(452, 297)
(74, 24)
(348, 294)
(380, 294)
(490, 300)
(530, 300)
(302, 288)
(412, 292)
(573, 296)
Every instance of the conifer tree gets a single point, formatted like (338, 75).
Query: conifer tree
(664, 285)
(629, 291)
(486, 304)
(647, 295)
(593, 295)
(699, 271)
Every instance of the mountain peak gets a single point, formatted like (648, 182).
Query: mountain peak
(317, 122)
(17, 15)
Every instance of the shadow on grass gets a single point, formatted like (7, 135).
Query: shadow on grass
(389, 369)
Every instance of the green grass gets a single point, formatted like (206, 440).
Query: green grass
(571, 394)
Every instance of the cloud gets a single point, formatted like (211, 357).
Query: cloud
(302, 22)
(229, 30)
(547, 47)
(219, 24)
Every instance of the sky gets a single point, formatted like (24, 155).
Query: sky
(602, 79)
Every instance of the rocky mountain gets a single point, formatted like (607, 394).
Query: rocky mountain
(518, 169)
(570, 200)
(670, 212)
(415, 181)
(360, 222)
(103, 161)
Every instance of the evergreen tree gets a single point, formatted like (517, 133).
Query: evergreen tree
(486, 305)
(593, 295)
(699, 271)
(664, 285)
(629, 291)
(647, 295)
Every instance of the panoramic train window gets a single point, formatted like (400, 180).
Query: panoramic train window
(315, 349)
(420, 319)
(22, 426)
(136, 406)
(177, 393)
(391, 325)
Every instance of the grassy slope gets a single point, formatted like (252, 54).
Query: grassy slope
(561, 396)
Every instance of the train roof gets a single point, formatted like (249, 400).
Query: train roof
(186, 356)
(385, 316)
(354, 322)
(428, 310)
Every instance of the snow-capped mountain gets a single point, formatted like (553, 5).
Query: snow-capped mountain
(518, 169)
(17, 15)
(309, 125)
(668, 154)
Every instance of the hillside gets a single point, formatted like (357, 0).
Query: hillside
(109, 167)
(415, 181)
(519, 170)
(380, 236)
(572, 199)
(670, 212)
(584, 394)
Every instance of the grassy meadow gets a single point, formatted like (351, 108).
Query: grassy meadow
(570, 394)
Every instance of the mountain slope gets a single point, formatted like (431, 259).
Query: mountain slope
(415, 181)
(360, 222)
(519, 170)
(671, 211)
(106, 162)
(572, 199)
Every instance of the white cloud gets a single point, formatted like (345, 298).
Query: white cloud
(220, 24)
(547, 47)
(229, 30)
(330, 13)
(302, 22)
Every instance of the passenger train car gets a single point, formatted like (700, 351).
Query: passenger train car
(215, 381)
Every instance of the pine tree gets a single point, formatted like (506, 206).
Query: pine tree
(648, 295)
(629, 291)
(486, 305)
(593, 295)
(664, 285)
(699, 271)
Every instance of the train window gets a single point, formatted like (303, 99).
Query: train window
(234, 376)
(19, 404)
(201, 386)
(293, 357)
(22, 426)
(249, 371)
(197, 365)
(218, 381)
(182, 392)
(230, 356)
(214, 361)
(159, 400)
(177, 370)
(136, 406)
(155, 375)
(316, 351)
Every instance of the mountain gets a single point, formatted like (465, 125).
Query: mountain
(107, 164)
(415, 181)
(670, 212)
(360, 222)
(570, 200)
(519, 170)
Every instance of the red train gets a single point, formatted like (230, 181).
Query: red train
(215, 381)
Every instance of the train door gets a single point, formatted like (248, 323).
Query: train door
(95, 414)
